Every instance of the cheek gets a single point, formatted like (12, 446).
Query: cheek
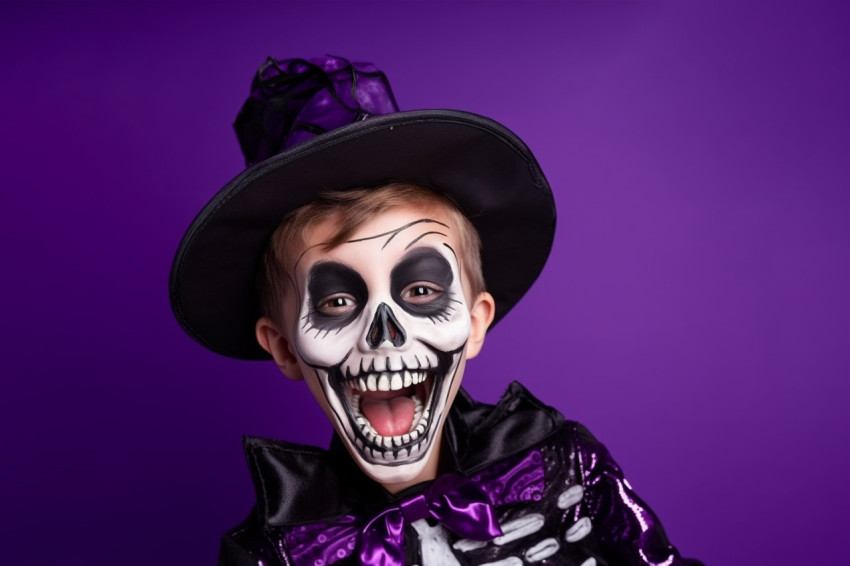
(461, 368)
(444, 334)
(324, 348)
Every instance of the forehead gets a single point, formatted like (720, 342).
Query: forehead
(383, 238)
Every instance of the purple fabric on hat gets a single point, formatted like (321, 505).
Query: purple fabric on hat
(294, 100)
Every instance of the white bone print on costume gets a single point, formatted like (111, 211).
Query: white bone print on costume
(579, 530)
(570, 497)
(511, 561)
(526, 526)
(433, 544)
(520, 528)
(542, 550)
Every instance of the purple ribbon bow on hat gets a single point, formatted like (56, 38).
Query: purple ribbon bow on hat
(464, 506)
(293, 100)
(456, 502)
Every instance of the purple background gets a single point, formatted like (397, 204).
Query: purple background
(694, 313)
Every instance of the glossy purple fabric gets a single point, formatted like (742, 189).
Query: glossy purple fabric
(294, 100)
(323, 543)
(462, 505)
(454, 501)
(508, 483)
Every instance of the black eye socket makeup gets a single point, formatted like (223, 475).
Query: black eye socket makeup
(329, 278)
(423, 266)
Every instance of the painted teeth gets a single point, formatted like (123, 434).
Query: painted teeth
(396, 453)
(396, 382)
(387, 380)
(417, 414)
(392, 442)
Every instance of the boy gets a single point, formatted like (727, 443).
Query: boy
(404, 236)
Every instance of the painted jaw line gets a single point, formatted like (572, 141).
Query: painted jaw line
(415, 395)
(383, 323)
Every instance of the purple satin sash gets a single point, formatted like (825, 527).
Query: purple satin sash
(464, 506)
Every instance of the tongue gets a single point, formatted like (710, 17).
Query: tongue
(389, 417)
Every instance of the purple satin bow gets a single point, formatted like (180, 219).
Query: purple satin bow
(462, 505)
(454, 501)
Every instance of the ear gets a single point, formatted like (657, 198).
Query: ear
(482, 312)
(276, 344)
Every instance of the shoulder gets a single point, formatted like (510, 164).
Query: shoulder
(248, 545)
(480, 433)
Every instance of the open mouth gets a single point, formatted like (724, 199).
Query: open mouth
(389, 408)
(390, 411)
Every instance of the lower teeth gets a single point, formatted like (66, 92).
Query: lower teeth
(417, 427)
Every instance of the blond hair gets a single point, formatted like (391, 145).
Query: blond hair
(348, 210)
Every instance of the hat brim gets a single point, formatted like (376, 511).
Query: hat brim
(486, 169)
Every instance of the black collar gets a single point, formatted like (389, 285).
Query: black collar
(298, 484)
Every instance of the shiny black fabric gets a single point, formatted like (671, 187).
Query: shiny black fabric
(607, 525)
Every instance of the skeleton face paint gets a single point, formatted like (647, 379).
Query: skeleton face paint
(382, 324)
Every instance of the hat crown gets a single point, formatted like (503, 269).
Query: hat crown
(294, 100)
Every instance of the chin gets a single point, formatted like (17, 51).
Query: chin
(410, 473)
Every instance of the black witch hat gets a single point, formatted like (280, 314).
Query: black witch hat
(325, 124)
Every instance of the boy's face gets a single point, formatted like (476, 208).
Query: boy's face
(379, 327)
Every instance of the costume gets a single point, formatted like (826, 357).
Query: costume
(558, 495)
(380, 320)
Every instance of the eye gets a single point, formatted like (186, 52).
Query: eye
(421, 293)
(337, 305)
